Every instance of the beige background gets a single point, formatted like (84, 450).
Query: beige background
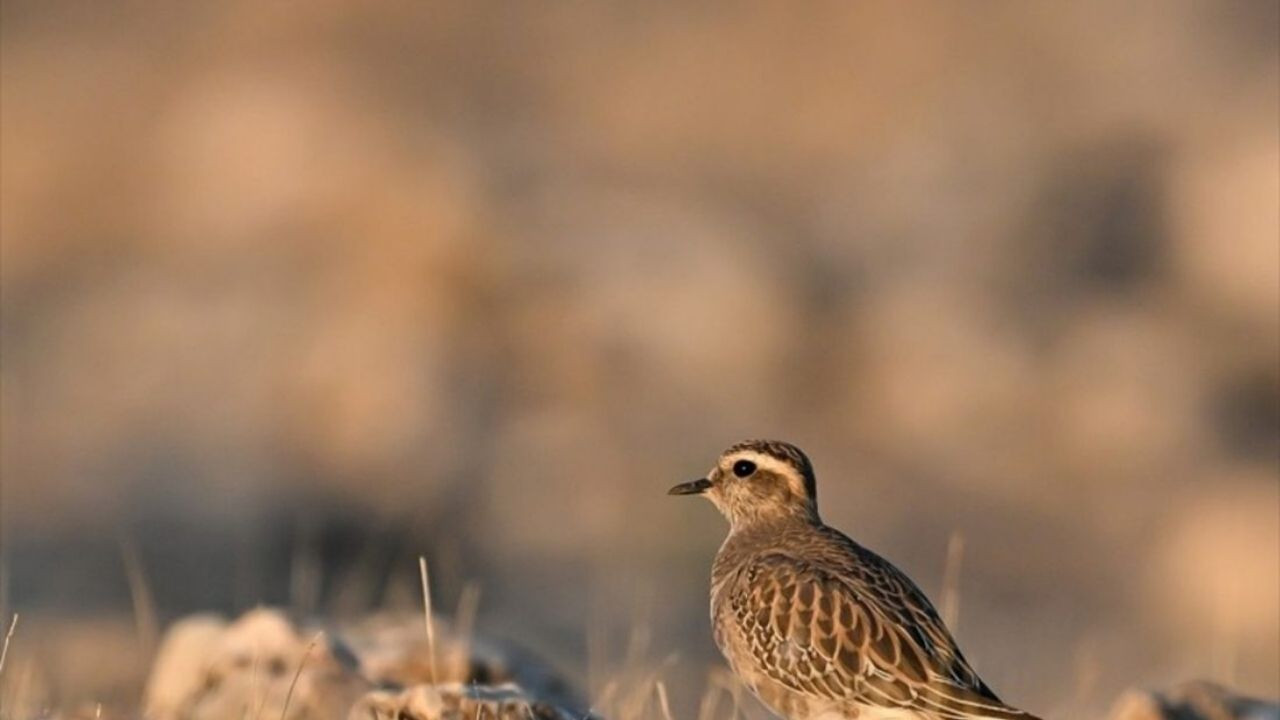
(325, 285)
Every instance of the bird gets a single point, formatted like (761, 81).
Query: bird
(817, 626)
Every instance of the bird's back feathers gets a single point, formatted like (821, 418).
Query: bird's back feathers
(820, 615)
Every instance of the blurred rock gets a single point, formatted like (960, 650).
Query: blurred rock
(1197, 700)
(392, 652)
(180, 664)
(208, 669)
(455, 701)
(258, 666)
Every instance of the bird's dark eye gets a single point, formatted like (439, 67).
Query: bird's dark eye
(743, 468)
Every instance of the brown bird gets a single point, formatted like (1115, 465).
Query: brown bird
(816, 625)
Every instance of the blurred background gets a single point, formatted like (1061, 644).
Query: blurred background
(294, 292)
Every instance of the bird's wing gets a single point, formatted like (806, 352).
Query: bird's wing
(859, 633)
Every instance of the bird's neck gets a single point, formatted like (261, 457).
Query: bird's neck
(774, 520)
(761, 534)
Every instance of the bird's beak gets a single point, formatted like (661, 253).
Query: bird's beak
(697, 487)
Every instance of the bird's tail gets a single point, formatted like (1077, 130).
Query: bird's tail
(994, 709)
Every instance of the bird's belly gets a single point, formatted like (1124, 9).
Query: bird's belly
(781, 700)
(787, 703)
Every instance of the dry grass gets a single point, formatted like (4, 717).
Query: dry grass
(630, 685)
(8, 636)
(428, 619)
(949, 605)
(144, 607)
(635, 686)
(284, 712)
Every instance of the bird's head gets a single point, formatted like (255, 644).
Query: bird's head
(759, 481)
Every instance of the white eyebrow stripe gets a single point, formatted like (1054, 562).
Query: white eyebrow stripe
(770, 463)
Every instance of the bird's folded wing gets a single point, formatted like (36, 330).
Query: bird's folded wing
(862, 636)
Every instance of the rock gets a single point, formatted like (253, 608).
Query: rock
(258, 666)
(393, 653)
(261, 663)
(178, 669)
(1197, 700)
(456, 701)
